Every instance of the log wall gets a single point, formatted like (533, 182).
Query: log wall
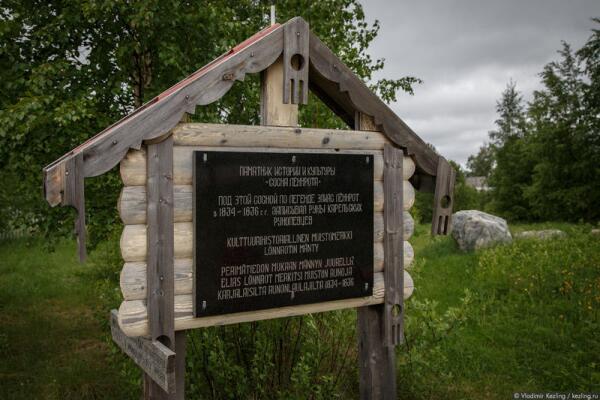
(188, 138)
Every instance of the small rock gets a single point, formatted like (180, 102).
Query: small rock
(473, 230)
(541, 234)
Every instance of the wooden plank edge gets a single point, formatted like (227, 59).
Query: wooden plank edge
(133, 246)
(133, 166)
(133, 321)
(153, 357)
(133, 275)
(132, 202)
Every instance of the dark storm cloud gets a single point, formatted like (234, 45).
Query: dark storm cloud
(466, 52)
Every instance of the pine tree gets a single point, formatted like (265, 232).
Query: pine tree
(565, 139)
(511, 121)
(69, 69)
(512, 173)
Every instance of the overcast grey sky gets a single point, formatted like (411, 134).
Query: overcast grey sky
(465, 52)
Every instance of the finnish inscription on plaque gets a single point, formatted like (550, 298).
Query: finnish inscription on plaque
(281, 229)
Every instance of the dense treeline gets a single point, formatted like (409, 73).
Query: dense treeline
(69, 69)
(543, 158)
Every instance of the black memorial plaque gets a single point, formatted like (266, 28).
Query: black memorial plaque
(281, 229)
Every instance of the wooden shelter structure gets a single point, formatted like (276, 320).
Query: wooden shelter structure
(291, 60)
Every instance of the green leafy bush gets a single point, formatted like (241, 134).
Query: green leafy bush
(312, 356)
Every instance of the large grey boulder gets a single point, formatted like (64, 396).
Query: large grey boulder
(541, 234)
(474, 230)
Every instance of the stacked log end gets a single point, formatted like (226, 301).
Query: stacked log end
(189, 138)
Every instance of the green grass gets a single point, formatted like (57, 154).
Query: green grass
(522, 317)
(52, 341)
(530, 322)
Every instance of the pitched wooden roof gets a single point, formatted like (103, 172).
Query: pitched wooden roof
(328, 77)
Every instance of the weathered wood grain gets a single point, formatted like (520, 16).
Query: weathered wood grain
(295, 61)
(133, 278)
(133, 166)
(270, 138)
(242, 138)
(364, 122)
(376, 362)
(200, 134)
(132, 211)
(408, 223)
(133, 244)
(153, 357)
(133, 314)
(393, 246)
(133, 275)
(132, 202)
(160, 241)
(160, 295)
(273, 111)
(408, 255)
(210, 135)
(73, 195)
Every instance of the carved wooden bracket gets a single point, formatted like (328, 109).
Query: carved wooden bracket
(73, 195)
(295, 61)
(443, 198)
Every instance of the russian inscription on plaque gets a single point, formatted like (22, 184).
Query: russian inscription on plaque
(280, 229)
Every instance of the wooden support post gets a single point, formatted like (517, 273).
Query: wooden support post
(272, 109)
(393, 243)
(160, 241)
(377, 362)
(160, 275)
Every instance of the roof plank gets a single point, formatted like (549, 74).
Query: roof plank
(326, 65)
(328, 77)
(160, 115)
